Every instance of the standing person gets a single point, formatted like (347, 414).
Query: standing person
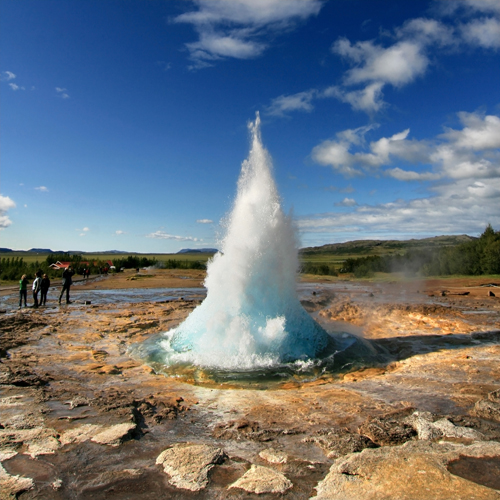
(44, 287)
(66, 283)
(37, 283)
(23, 290)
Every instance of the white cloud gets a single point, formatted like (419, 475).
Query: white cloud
(368, 99)
(7, 75)
(61, 92)
(15, 87)
(479, 133)
(337, 153)
(346, 202)
(471, 152)
(119, 232)
(238, 28)
(83, 234)
(470, 6)
(42, 189)
(398, 65)
(85, 229)
(412, 48)
(484, 32)
(295, 102)
(409, 175)
(460, 159)
(5, 205)
(205, 221)
(165, 236)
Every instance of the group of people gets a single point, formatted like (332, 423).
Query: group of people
(41, 285)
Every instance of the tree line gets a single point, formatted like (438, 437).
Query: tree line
(473, 258)
(12, 268)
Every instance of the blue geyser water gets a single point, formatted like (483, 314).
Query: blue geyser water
(251, 317)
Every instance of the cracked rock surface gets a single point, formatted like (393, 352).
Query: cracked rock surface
(80, 418)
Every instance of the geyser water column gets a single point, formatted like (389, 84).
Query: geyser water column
(251, 317)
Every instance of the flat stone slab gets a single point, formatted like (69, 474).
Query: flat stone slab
(114, 435)
(80, 434)
(188, 464)
(413, 471)
(262, 480)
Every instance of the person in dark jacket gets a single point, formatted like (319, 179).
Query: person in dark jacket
(44, 288)
(37, 283)
(66, 283)
(23, 290)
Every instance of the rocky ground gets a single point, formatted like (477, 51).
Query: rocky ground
(81, 419)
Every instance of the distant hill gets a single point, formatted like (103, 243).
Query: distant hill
(40, 250)
(5, 250)
(198, 250)
(374, 247)
(111, 251)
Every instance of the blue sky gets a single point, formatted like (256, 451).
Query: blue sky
(124, 123)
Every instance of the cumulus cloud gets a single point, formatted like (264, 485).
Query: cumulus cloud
(237, 29)
(205, 221)
(5, 205)
(464, 160)
(484, 32)
(338, 154)
(401, 56)
(85, 229)
(165, 236)
(398, 65)
(346, 202)
(119, 232)
(368, 99)
(459, 207)
(43, 189)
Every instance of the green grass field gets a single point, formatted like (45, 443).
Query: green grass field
(40, 257)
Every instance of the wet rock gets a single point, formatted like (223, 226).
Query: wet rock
(247, 429)
(273, 456)
(338, 442)
(77, 401)
(21, 377)
(488, 408)
(390, 429)
(188, 464)
(454, 431)
(114, 435)
(430, 427)
(11, 486)
(17, 330)
(262, 480)
(38, 441)
(410, 471)
(80, 434)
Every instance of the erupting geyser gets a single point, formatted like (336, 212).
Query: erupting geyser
(251, 317)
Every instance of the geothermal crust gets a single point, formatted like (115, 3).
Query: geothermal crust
(79, 418)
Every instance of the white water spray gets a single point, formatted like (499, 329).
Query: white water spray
(251, 317)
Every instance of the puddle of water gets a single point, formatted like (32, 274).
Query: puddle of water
(99, 297)
(484, 471)
(477, 312)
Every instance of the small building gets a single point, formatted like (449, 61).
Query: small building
(60, 265)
